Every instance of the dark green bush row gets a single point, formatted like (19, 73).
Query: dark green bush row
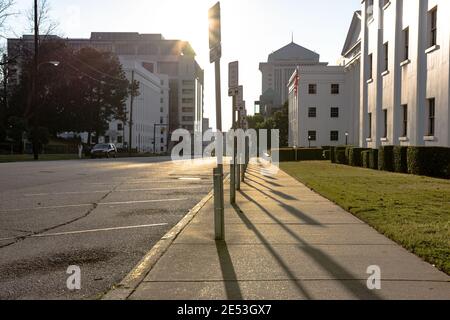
(426, 161)
(400, 159)
(429, 161)
(306, 154)
(333, 153)
(355, 156)
(386, 158)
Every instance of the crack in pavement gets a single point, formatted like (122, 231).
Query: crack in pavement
(32, 234)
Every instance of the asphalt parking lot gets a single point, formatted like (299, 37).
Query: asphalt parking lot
(100, 215)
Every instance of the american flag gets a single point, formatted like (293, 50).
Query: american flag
(297, 80)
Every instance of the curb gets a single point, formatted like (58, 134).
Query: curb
(129, 284)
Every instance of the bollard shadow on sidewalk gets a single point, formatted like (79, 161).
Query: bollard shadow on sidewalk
(231, 283)
(346, 279)
(292, 210)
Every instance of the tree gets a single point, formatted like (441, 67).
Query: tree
(46, 24)
(279, 120)
(5, 13)
(102, 90)
(83, 94)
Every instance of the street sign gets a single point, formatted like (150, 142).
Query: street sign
(215, 35)
(240, 95)
(233, 74)
(215, 53)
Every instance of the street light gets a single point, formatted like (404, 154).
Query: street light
(309, 141)
(346, 138)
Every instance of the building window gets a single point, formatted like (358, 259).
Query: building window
(335, 112)
(312, 112)
(119, 127)
(385, 117)
(312, 135)
(334, 135)
(119, 139)
(369, 9)
(161, 110)
(370, 66)
(370, 126)
(406, 44)
(162, 100)
(161, 120)
(312, 89)
(335, 89)
(386, 56)
(405, 120)
(107, 139)
(162, 140)
(431, 116)
(432, 18)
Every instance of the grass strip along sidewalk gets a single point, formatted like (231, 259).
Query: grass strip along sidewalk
(413, 211)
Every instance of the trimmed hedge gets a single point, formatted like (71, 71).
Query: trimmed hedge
(373, 159)
(309, 154)
(333, 151)
(386, 158)
(365, 155)
(355, 157)
(340, 157)
(306, 154)
(400, 159)
(347, 154)
(429, 161)
(286, 154)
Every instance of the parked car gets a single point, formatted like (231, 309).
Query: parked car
(106, 150)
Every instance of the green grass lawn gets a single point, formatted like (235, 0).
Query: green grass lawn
(411, 210)
(42, 157)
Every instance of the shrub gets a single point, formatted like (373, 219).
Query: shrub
(429, 161)
(309, 154)
(347, 154)
(355, 157)
(386, 158)
(365, 155)
(340, 157)
(326, 154)
(333, 152)
(286, 154)
(373, 159)
(400, 159)
(306, 154)
(326, 148)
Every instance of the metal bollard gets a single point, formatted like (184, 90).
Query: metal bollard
(219, 218)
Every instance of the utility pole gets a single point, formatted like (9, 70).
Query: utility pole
(131, 114)
(215, 46)
(34, 111)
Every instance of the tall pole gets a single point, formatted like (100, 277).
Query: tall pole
(34, 111)
(219, 214)
(131, 114)
(233, 160)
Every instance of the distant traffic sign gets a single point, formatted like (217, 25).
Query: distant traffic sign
(233, 74)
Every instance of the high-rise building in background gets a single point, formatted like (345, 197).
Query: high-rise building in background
(277, 71)
(158, 56)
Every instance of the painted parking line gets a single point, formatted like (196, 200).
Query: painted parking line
(104, 191)
(92, 204)
(88, 231)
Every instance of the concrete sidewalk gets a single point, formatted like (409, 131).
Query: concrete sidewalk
(284, 241)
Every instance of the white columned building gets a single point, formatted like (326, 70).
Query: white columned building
(395, 74)
(405, 74)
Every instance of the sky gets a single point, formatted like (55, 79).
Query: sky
(251, 30)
